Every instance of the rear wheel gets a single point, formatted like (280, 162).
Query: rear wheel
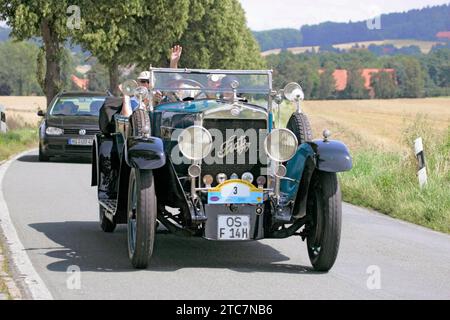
(142, 212)
(324, 228)
(300, 126)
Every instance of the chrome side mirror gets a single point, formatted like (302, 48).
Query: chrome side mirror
(294, 93)
(129, 87)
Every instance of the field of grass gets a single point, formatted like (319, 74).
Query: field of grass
(22, 122)
(380, 135)
(425, 46)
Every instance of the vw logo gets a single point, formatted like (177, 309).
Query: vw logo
(82, 132)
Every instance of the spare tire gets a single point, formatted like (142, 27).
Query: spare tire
(140, 123)
(300, 126)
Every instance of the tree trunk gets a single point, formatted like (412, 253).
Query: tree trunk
(52, 81)
(114, 79)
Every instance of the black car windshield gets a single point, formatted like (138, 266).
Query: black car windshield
(77, 106)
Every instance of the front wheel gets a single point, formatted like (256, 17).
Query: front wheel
(324, 228)
(43, 157)
(142, 212)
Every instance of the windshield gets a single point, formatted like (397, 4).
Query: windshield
(212, 83)
(77, 106)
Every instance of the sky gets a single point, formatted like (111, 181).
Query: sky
(273, 14)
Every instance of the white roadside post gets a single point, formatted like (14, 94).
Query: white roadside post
(420, 155)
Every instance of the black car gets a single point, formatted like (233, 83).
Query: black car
(69, 125)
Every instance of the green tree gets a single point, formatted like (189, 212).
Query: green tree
(327, 84)
(18, 67)
(131, 32)
(98, 78)
(410, 77)
(46, 19)
(217, 37)
(383, 84)
(355, 83)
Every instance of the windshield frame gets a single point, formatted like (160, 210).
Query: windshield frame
(263, 91)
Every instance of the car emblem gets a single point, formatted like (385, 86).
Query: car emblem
(241, 146)
(82, 132)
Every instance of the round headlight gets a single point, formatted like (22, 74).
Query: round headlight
(195, 143)
(281, 145)
(52, 131)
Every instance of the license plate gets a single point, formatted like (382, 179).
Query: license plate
(233, 227)
(235, 192)
(81, 142)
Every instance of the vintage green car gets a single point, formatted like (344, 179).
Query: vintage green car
(212, 160)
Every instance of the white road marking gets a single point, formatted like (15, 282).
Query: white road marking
(31, 279)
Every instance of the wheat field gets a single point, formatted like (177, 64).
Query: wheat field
(379, 123)
(374, 123)
(22, 111)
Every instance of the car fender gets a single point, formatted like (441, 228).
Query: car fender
(295, 170)
(145, 153)
(332, 156)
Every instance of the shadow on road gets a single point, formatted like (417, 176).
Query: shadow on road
(84, 245)
(35, 159)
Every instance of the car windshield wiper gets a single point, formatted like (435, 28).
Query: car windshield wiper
(59, 114)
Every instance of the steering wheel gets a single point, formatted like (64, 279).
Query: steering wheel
(190, 82)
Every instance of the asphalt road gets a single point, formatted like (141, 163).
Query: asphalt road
(54, 211)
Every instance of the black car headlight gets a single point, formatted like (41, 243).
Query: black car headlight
(195, 143)
(281, 145)
(52, 131)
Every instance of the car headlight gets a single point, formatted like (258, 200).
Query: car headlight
(281, 145)
(52, 131)
(195, 143)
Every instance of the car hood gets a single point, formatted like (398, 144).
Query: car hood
(71, 121)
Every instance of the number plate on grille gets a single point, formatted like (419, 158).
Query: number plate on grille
(235, 192)
(81, 142)
(233, 227)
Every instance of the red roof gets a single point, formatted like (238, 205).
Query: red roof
(341, 77)
(80, 83)
(443, 35)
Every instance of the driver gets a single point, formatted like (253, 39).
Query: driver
(144, 81)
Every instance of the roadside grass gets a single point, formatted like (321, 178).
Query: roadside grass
(20, 137)
(384, 176)
(3, 271)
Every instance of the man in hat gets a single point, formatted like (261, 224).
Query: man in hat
(130, 104)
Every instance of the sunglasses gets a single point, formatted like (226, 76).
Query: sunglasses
(144, 81)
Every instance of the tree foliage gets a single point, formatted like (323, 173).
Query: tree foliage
(18, 68)
(132, 32)
(383, 84)
(46, 19)
(217, 37)
(278, 39)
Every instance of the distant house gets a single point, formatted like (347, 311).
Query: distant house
(341, 78)
(82, 84)
(444, 35)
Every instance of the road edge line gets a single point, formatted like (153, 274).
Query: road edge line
(17, 253)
